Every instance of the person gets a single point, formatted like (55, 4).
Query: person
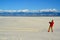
(51, 26)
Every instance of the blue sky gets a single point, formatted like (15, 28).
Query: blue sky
(29, 4)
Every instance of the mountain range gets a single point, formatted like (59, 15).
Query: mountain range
(46, 12)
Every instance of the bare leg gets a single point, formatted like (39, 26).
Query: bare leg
(49, 29)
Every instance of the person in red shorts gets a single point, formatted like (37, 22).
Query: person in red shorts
(51, 26)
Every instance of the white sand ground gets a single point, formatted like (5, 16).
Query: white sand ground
(28, 28)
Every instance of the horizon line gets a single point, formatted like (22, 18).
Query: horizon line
(27, 10)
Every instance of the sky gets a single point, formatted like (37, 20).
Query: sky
(29, 4)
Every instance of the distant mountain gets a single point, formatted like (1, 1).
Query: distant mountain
(29, 13)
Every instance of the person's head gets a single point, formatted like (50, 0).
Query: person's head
(52, 20)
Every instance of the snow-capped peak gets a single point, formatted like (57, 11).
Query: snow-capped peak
(27, 10)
